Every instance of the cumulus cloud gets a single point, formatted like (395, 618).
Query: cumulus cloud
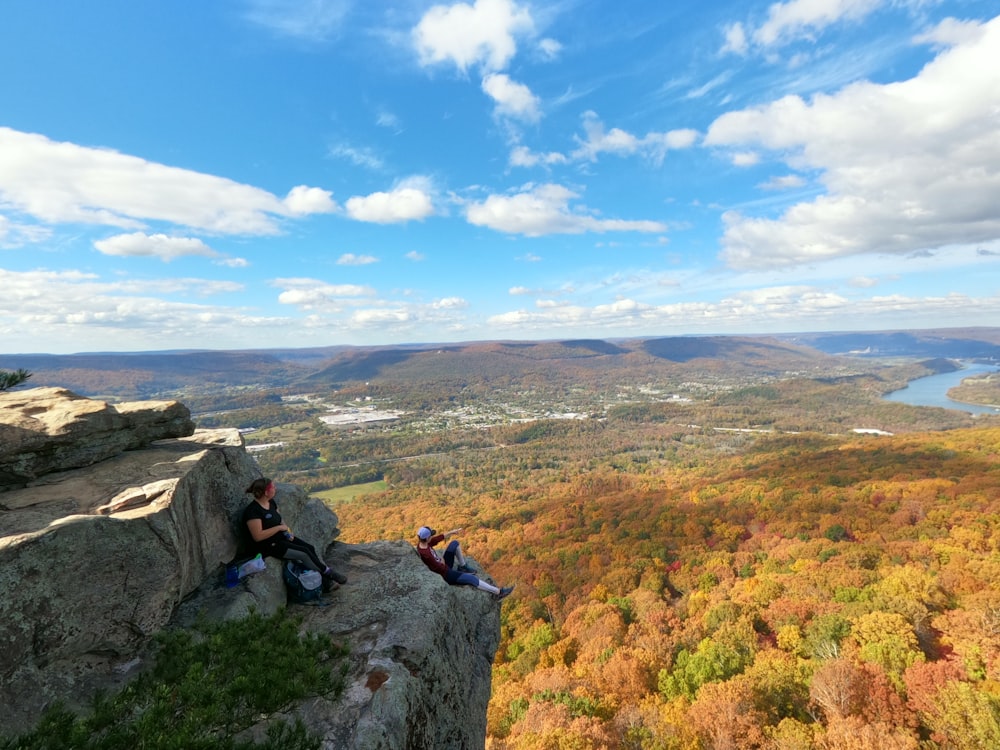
(791, 19)
(414, 256)
(513, 100)
(74, 308)
(409, 201)
(951, 32)
(546, 209)
(350, 259)
(312, 294)
(483, 34)
(522, 156)
(66, 183)
(138, 244)
(449, 303)
(653, 145)
(928, 175)
(755, 310)
(303, 200)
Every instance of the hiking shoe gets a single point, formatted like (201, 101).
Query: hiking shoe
(504, 593)
(338, 576)
(465, 569)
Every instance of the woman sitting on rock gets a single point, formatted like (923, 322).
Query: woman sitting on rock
(462, 575)
(272, 538)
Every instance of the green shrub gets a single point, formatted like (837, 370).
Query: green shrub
(207, 686)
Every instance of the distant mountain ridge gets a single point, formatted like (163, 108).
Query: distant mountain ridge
(957, 344)
(147, 374)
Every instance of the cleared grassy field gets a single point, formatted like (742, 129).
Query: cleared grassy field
(351, 492)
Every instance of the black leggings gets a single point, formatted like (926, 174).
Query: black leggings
(293, 549)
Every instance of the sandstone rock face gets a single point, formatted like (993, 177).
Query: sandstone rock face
(43, 430)
(81, 593)
(95, 560)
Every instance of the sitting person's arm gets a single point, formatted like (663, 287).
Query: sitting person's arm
(259, 533)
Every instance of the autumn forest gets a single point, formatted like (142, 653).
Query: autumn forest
(745, 549)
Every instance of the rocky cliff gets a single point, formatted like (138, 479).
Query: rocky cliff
(115, 521)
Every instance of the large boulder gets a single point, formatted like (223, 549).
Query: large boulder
(44, 430)
(95, 560)
(83, 586)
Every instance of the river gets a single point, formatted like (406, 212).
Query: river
(931, 390)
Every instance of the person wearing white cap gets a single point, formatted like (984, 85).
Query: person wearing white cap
(460, 575)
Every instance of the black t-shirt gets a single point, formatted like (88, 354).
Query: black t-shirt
(269, 518)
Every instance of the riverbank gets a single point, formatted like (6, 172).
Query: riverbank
(936, 390)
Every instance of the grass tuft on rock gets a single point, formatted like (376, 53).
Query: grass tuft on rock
(208, 687)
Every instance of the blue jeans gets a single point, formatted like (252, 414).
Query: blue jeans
(454, 577)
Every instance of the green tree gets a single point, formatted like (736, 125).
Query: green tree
(12, 378)
(726, 653)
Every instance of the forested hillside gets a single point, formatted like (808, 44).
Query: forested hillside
(707, 555)
(730, 591)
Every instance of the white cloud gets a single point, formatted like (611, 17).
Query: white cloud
(907, 166)
(522, 156)
(312, 294)
(415, 256)
(66, 183)
(951, 32)
(379, 317)
(653, 145)
(793, 18)
(350, 259)
(410, 200)
(755, 311)
(358, 156)
(77, 310)
(303, 200)
(389, 120)
(863, 282)
(232, 262)
(519, 290)
(449, 303)
(549, 48)
(16, 234)
(513, 100)
(736, 39)
(347, 307)
(311, 19)
(784, 182)
(546, 209)
(483, 34)
(745, 159)
(709, 86)
(138, 244)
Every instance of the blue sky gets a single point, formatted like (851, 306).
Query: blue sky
(271, 173)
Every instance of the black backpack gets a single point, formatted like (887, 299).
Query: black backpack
(302, 584)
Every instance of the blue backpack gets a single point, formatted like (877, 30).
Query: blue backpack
(303, 585)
